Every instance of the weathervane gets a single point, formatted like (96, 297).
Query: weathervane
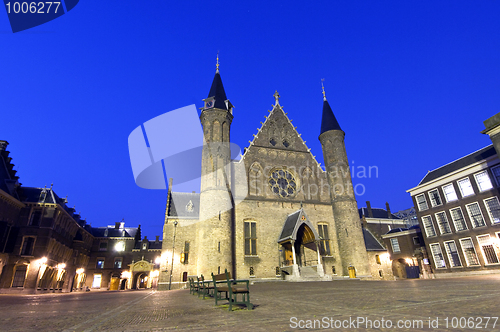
(217, 65)
(323, 87)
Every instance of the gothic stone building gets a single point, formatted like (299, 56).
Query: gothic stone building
(287, 217)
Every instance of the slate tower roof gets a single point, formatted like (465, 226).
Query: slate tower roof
(217, 92)
(328, 121)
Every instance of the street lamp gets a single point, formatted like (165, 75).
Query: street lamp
(173, 248)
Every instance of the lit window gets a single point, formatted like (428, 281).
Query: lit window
(96, 283)
(437, 254)
(458, 219)
(442, 221)
(395, 245)
(449, 193)
(483, 181)
(475, 215)
(118, 263)
(493, 209)
(465, 187)
(435, 198)
(250, 238)
(453, 257)
(490, 253)
(469, 252)
(144, 246)
(100, 263)
(377, 259)
(120, 246)
(325, 239)
(421, 202)
(428, 226)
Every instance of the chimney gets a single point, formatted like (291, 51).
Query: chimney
(117, 225)
(369, 207)
(157, 239)
(389, 214)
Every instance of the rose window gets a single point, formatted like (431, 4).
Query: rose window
(282, 183)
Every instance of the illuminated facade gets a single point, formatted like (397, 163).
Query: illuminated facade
(459, 211)
(121, 260)
(44, 241)
(288, 218)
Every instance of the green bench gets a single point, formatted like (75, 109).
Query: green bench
(222, 283)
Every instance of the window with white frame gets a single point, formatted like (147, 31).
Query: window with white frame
(449, 193)
(435, 198)
(483, 181)
(496, 174)
(421, 202)
(490, 253)
(437, 255)
(493, 209)
(452, 252)
(442, 221)
(465, 187)
(458, 219)
(428, 226)
(475, 215)
(469, 252)
(395, 245)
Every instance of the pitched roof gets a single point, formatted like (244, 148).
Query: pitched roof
(184, 205)
(467, 160)
(371, 242)
(114, 232)
(328, 121)
(289, 226)
(377, 213)
(218, 93)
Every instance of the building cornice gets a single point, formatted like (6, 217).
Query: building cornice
(12, 200)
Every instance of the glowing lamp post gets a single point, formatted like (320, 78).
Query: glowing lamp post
(173, 249)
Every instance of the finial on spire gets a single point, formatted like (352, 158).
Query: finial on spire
(323, 87)
(276, 98)
(217, 65)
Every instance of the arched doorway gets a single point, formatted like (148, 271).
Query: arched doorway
(299, 246)
(141, 280)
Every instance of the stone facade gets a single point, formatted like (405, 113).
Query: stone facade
(286, 215)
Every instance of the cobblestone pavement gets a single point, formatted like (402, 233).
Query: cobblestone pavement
(276, 304)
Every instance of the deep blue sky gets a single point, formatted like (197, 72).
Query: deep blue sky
(410, 83)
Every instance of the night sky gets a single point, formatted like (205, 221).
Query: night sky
(410, 83)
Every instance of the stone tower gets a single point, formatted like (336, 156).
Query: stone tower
(216, 221)
(351, 244)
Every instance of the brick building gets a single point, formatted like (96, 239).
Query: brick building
(121, 260)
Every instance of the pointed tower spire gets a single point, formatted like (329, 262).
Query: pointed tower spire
(328, 121)
(217, 96)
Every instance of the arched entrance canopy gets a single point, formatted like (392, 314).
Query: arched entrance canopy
(299, 232)
(297, 227)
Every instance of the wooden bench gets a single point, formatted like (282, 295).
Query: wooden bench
(206, 289)
(193, 286)
(223, 283)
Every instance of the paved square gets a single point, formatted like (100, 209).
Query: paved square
(276, 303)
